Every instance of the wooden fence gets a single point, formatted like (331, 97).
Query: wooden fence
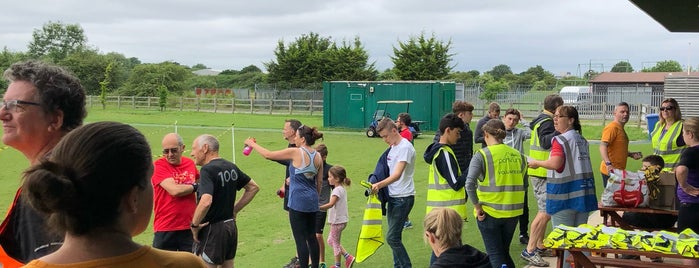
(216, 105)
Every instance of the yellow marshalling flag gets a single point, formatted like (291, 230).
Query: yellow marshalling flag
(371, 235)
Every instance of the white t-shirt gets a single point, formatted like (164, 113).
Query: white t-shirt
(338, 213)
(402, 152)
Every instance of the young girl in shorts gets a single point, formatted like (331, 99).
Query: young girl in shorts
(337, 216)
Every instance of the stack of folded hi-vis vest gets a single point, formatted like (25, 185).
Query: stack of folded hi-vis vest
(686, 243)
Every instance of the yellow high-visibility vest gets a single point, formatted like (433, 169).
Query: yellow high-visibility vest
(501, 193)
(439, 193)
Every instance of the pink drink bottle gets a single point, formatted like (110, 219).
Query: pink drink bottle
(247, 150)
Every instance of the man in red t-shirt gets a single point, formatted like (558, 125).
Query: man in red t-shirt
(403, 122)
(174, 186)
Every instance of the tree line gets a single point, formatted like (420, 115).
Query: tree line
(302, 63)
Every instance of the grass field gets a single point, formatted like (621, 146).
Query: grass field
(265, 237)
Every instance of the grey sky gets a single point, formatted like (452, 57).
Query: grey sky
(562, 36)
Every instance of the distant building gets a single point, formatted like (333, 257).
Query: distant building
(648, 88)
(206, 72)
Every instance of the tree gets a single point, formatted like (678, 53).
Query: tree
(499, 71)
(313, 59)
(422, 58)
(251, 69)
(162, 97)
(56, 41)
(622, 67)
(104, 84)
(351, 62)
(304, 61)
(388, 75)
(199, 66)
(665, 66)
(89, 66)
(7, 58)
(492, 89)
(146, 79)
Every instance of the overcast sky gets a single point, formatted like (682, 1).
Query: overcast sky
(562, 36)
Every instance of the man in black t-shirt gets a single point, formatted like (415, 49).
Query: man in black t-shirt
(213, 225)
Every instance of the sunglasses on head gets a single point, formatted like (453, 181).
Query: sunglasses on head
(666, 108)
(171, 150)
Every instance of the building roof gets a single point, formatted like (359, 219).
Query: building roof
(206, 72)
(675, 15)
(638, 77)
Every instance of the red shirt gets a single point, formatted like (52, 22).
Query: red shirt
(405, 133)
(557, 150)
(173, 213)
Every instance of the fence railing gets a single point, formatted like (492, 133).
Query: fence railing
(216, 105)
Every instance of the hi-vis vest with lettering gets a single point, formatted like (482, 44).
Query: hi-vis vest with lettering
(439, 193)
(666, 146)
(501, 193)
(537, 152)
(574, 188)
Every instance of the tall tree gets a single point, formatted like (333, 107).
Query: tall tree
(351, 62)
(422, 58)
(7, 58)
(622, 67)
(89, 66)
(304, 61)
(56, 41)
(499, 71)
(665, 66)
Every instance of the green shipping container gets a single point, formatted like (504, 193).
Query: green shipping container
(351, 104)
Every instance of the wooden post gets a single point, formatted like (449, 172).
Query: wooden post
(148, 102)
(251, 105)
(215, 104)
(181, 103)
(133, 102)
(233, 105)
(271, 103)
(290, 109)
(198, 103)
(118, 102)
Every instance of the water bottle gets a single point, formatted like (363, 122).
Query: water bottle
(280, 193)
(247, 150)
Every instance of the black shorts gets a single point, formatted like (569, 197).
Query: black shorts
(174, 240)
(218, 242)
(321, 216)
(688, 217)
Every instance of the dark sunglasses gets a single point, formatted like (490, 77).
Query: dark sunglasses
(171, 150)
(667, 108)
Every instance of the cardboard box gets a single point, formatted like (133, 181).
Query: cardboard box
(668, 193)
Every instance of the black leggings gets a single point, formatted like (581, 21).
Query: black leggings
(303, 227)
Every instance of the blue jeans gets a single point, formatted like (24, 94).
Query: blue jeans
(570, 218)
(497, 237)
(397, 213)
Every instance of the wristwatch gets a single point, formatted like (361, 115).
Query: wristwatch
(195, 186)
(192, 225)
(608, 163)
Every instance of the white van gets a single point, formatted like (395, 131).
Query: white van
(574, 95)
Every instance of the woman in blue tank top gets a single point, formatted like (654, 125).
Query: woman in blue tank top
(304, 187)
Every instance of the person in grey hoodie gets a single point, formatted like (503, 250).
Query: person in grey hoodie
(514, 137)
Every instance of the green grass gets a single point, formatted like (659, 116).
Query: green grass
(265, 237)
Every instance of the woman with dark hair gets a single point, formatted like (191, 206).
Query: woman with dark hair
(570, 184)
(306, 171)
(495, 185)
(667, 135)
(94, 188)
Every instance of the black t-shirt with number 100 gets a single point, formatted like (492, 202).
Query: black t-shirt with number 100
(221, 179)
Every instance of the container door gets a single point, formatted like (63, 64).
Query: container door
(356, 112)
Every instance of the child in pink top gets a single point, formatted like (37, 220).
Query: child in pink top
(337, 215)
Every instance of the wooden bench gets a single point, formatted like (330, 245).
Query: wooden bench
(583, 261)
(611, 217)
